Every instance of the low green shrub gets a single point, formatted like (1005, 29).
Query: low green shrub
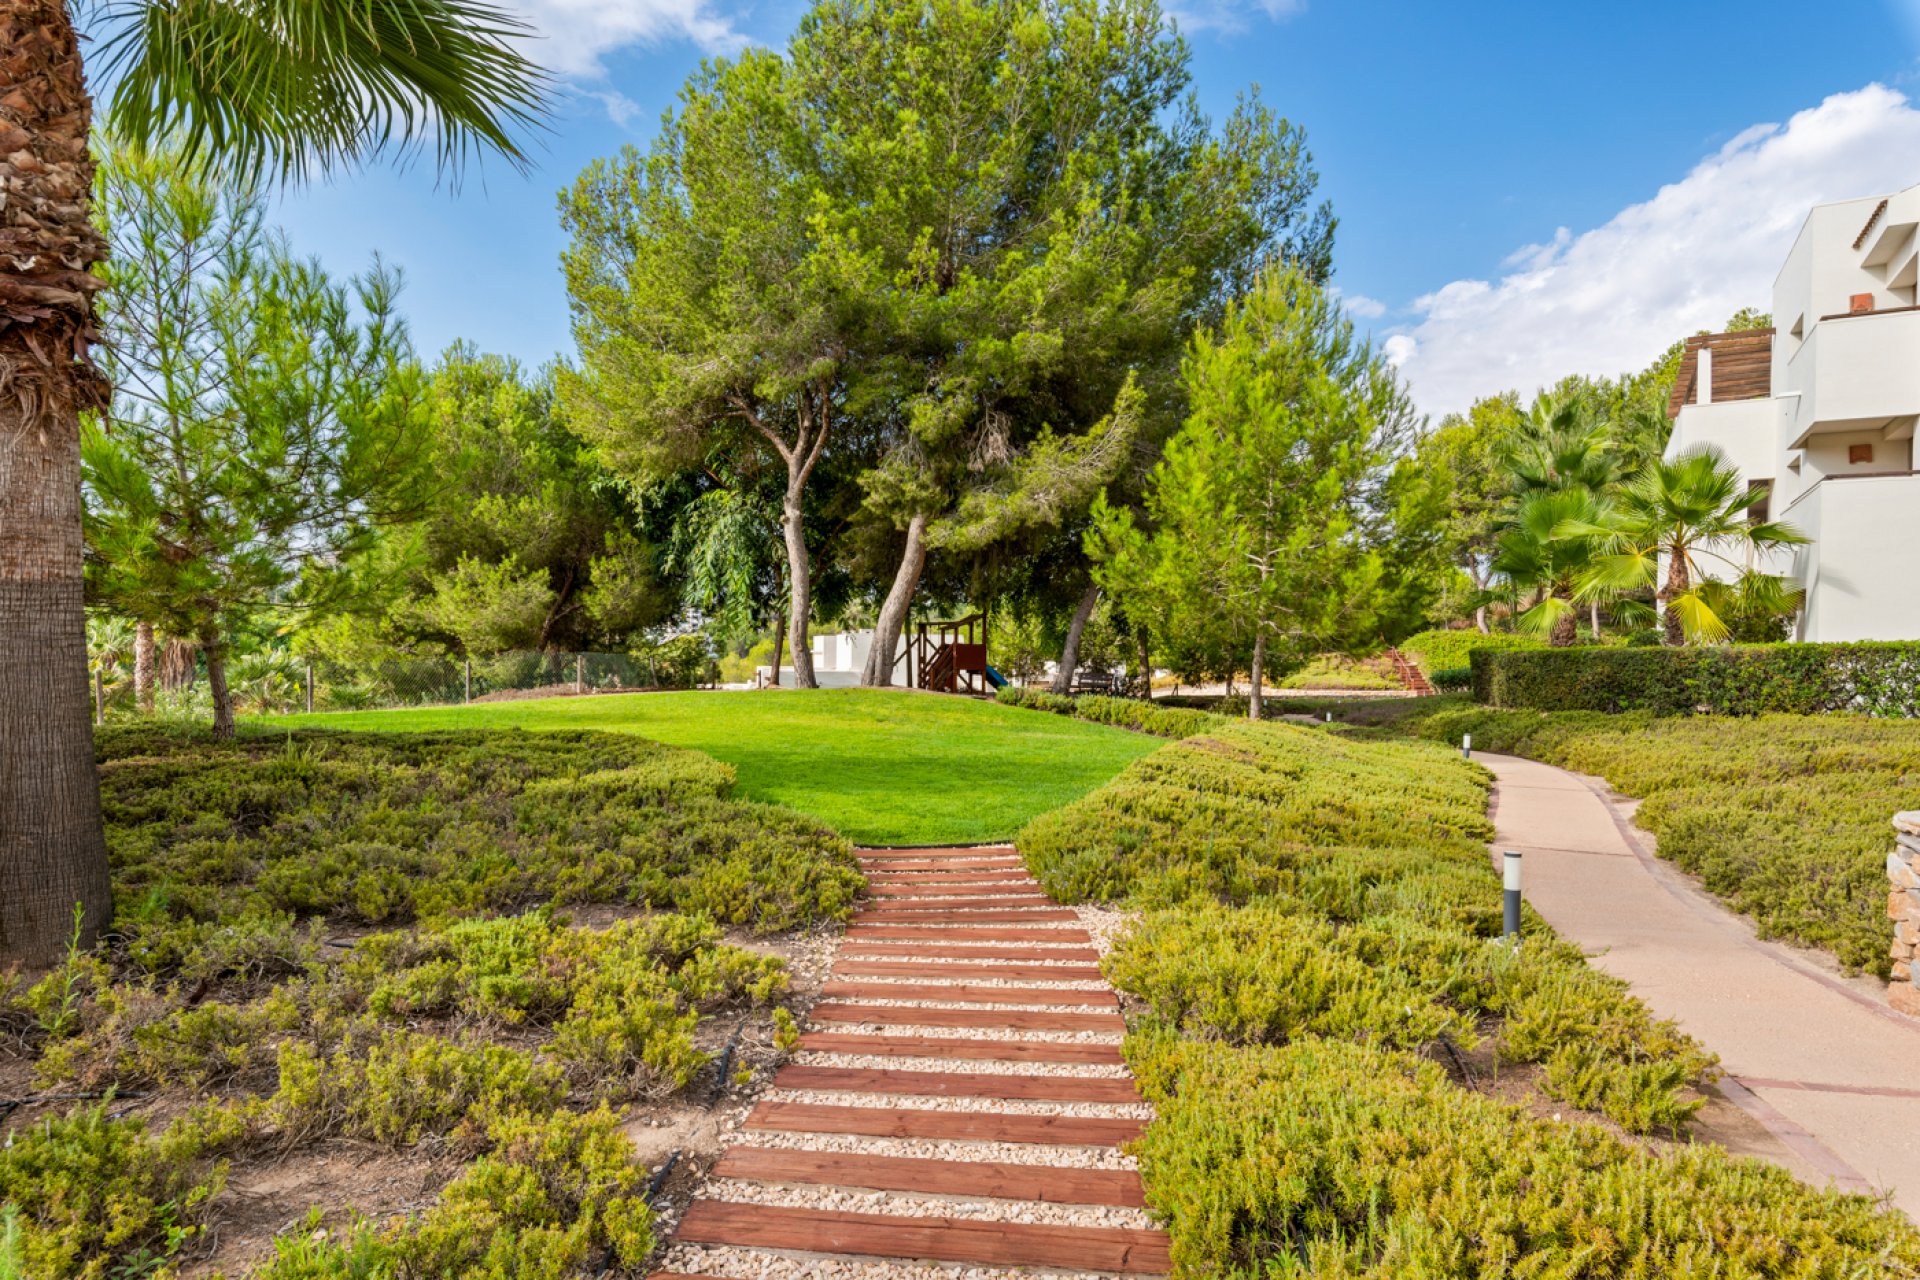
(226, 853)
(1877, 678)
(1332, 1159)
(1451, 679)
(1785, 817)
(1136, 714)
(1310, 884)
(92, 1197)
(1335, 672)
(1452, 648)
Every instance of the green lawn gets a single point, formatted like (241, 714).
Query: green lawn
(883, 767)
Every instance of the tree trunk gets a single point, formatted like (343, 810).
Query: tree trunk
(1480, 620)
(1566, 630)
(779, 647)
(215, 646)
(1070, 651)
(1593, 614)
(1256, 696)
(53, 854)
(800, 574)
(893, 612)
(1675, 632)
(143, 667)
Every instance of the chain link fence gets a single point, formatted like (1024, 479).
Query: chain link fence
(451, 681)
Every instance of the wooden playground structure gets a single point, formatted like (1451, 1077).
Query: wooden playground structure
(951, 657)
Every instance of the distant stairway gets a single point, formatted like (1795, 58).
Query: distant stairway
(1412, 678)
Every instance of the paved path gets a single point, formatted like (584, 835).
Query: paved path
(959, 1098)
(1830, 1074)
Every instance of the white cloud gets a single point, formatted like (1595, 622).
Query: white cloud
(1359, 305)
(1228, 15)
(577, 35)
(1609, 300)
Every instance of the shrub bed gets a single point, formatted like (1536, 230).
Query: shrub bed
(1785, 817)
(1136, 714)
(225, 1002)
(1880, 679)
(1334, 1159)
(1320, 927)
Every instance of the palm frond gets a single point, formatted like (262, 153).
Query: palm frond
(288, 88)
(1541, 619)
(1698, 618)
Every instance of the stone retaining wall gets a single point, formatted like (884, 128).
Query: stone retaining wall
(1903, 908)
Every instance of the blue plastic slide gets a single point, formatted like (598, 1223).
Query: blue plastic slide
(995, 679)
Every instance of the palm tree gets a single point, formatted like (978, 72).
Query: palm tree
(275, 88)
(1537, 553)
(1675, 513)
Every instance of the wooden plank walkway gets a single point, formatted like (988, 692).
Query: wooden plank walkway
(966, 1019)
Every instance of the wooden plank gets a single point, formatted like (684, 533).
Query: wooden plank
(1004, 1016)
(872, 916)
(966, 993)
(1001, 902)
(953, 1126)
(883, 876)
(961, 951)
(937, 892)
(983, 1050)
(938, 969)
(1118, 1250)
(955, 1084)
(926, 933)
(986, 1179)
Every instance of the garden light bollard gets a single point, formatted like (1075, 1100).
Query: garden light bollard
(1511, 880)
(1466, 746)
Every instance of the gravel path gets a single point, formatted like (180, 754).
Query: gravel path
(816, 1202)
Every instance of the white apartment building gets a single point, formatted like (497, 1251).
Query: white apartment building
(1820, 411)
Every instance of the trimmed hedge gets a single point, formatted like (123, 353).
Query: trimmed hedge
(1122, 713)
(1879, 678)
(1440, 650)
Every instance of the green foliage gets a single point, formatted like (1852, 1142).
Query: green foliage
(1785, 817)
(1332, 671)
(1333, 1159)
(1451, 679)
(1879, 678)
(1438, 650)
(214, 841)
(266, 419)
(89, 1198)
(1285, 517)
(1136, 714)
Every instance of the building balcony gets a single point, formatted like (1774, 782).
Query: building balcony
(1855, 373)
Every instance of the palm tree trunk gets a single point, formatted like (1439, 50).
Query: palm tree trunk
(893, 611)
(1675, 632)
(143, 647)
(53, 853)
(1566, 630)
(1076, 629)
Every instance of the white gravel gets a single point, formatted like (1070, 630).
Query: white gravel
(962, 1066)
(1107, 927)
(947, 1149)
(923, 979)
(978, 1106)
(757, 1264)
(902, 1204)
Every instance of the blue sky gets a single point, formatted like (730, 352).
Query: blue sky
(1524, 189)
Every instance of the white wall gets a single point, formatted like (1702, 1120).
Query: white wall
(1744, 430)
(1859, 570)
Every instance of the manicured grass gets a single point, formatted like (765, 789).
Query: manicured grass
(881, 767)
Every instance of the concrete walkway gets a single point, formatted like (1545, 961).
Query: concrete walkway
(1821, 1076)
